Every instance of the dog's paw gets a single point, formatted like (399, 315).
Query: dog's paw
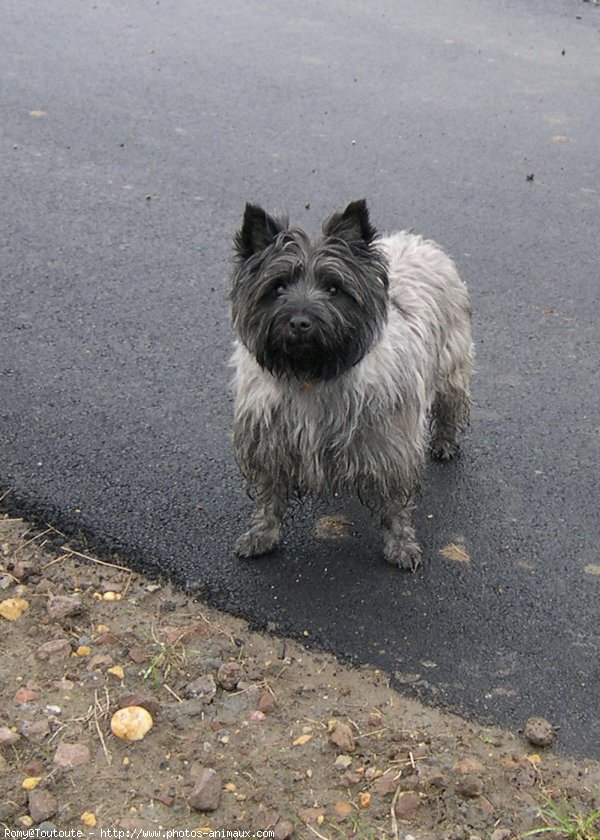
(256, 542)
(443, 449)
(405, 555)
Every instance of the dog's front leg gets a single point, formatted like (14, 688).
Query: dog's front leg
(400, 546)
(265, 530)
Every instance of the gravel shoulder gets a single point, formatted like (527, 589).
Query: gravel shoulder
(249, 732)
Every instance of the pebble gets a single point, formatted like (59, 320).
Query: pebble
(53, 650)
(22, 570)
(13, 608)
(131, 723)
(266, 703)
(109, 638)
(25, 695)
(69, 756)
(34, 730)
(203, 688)
(539, 732)
(385, 785)
(342, 762)
(501, 834)
(470, 764)
(61, 606)
(407, 805)
(132, 698)
(47, 828)
(207, 788)
(229, 675)
(283, 830)
(469, 786)
(340, 735)
(8, 737)
(42, 805)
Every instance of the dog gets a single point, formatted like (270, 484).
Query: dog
(353, 357)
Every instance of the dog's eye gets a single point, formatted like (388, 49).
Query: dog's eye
(333, 290)
(280, 289)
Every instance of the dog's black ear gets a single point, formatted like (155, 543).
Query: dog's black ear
(351, 224)
(257, 232)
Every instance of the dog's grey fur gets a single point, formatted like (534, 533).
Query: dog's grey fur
(354, 352)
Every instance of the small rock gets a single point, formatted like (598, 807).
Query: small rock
(342, 810)
(25, 695)
(203, 688)
(266, 703)
(99, 661)
(342, 762)
(69, 756)
(229, 675)
(207, 789)
(131, 723)
(107, 639)
(340, 735)
(349, 779)
(13, 608)
(23, 570)
(47, 829)
(8, 737)
(539, 732)
(407, 805)
(54, 650)
(469, 765)
(34, 730)
(283, 830)
(132, 698)
(42, 805)
(61, 606)
(136, 654)
(469, 786)
(167, 799)
(375, 719)
(385, 785)
(34, 768)
(501, 834)
(257, 716)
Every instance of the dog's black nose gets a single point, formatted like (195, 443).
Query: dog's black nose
(300, 324)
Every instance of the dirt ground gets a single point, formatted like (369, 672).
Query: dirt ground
(251, 733)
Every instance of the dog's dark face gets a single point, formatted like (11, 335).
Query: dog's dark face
(308, 310)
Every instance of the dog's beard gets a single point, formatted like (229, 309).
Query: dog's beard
(330, 350)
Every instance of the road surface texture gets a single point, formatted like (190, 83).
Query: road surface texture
(133, 133)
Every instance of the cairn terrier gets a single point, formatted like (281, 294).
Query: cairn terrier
(354, 355)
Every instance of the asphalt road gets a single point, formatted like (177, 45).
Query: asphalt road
(131, 136)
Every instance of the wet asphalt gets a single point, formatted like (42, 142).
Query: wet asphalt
(131, 137)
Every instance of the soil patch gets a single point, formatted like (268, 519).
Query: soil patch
(240, 731)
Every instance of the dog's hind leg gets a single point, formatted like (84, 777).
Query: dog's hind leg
(265, 530)
(450, 414)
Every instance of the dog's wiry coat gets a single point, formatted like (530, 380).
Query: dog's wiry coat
(322, 421)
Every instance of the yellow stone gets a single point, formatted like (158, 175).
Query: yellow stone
(116, 671)
(89, 819)
(31, 782)
(83, 650)
(131, 723)
(13, 608)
